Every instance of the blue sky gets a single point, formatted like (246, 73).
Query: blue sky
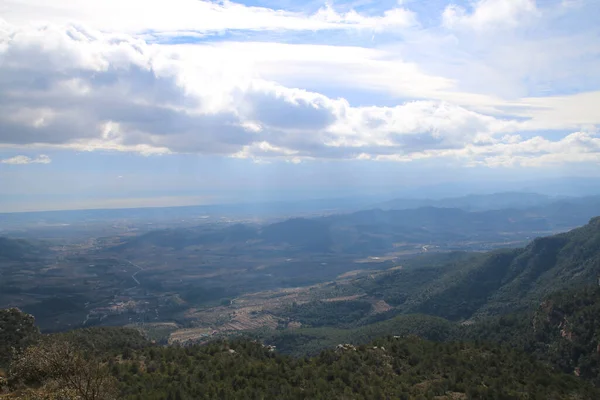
(122, 103)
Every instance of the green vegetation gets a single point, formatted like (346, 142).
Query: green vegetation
(376, 230)
(328, 313)
(55, 368)
(564, 332)
(388, 368)
(310, 341)
(403, 368)
(462, 286)
(418, 279)
(104, 340)
(19, 249)
(17, 330)
(65, 366)
(518, 323)
(110, 363)
(460, 362)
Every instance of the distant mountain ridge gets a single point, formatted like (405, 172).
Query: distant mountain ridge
(476, 202)
(379, 230)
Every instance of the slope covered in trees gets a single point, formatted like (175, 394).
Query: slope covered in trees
(17, 330)
(310, 341)
(548, 354)
(564, 332)
(387, 368)
(19, 249)
(461, 286)
(391, 367)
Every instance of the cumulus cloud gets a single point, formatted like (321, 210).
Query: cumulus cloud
(118, 93)
(20, 160)
(78, 88)
(577, 147)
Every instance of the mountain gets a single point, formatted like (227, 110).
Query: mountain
(430, 223)
(513, 279)
(563, 331)
(183, 237)
(511, 323)
(474, 202)
(382, 230)
(460, 286)
(308, 234)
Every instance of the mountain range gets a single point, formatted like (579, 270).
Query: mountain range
(508, 323)
(378, 230)
(462, 286)
(476, 202)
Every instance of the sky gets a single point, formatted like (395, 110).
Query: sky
(125, 103)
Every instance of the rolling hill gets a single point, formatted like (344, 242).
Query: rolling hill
(19, 249)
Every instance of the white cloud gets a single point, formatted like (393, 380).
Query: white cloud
(318, 65)
(121, 94)
(83, 89)
(490, 14)
(577, 147)
(572, 3)
(20, 160)
(561, 112)
(191, 17)
(512, 151)
(391, 19)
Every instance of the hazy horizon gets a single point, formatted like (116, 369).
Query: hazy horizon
(558, 188)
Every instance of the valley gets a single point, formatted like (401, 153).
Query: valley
(367, 285)
(217, 279)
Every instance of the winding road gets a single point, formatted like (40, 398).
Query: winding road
(135, 273)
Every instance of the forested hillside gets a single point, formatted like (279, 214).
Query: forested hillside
(19, 249)
(387, 368)
(547, 354)
(462, 286)
(310, 341)
(116, 363)
(564, 332)
(17, 330)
